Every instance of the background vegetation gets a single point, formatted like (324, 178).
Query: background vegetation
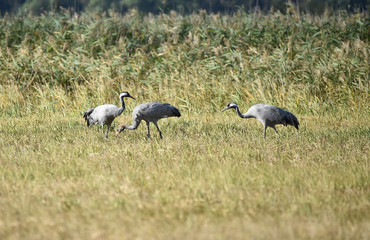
(213, 176)
(187, 6)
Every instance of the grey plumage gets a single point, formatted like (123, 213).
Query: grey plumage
(105, 114)
(268, 115)
(150, 112)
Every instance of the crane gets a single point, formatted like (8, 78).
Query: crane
(105, 114)
(150, 112)
(268, 115)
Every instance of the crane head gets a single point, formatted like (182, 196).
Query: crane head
(126, 94)
(230, 105)
(120, 129)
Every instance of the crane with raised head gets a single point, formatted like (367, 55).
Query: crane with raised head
(268, 115)
(105, 114)
(150, 112)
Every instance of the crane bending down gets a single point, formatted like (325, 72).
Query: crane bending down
(268, 115)
(150, 112)
(105, 114)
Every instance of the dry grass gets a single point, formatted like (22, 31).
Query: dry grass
(205, 180)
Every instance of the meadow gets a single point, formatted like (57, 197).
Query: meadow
(213, 176)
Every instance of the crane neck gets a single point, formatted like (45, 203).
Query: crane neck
(135, 124)
(243, 115)
(238, 112)
(120, 110)
(122, 103)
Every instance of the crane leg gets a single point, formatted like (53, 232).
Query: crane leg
(275, 129)
(147, 123)
(106, 135)
(160, 133)
(264, 133)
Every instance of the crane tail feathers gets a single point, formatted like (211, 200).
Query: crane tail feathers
(294, 121)
(86, 115)
(176, 112)
(290, 119)
(296, 125)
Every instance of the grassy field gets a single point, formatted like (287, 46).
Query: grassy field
(213, 176)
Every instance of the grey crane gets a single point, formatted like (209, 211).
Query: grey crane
(150, 112)
(268, 115)
(105, 114)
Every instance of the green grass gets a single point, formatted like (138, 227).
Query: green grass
(213, 176)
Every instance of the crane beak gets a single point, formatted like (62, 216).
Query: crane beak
(224, 109)
(132, 97)
(118, 131)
